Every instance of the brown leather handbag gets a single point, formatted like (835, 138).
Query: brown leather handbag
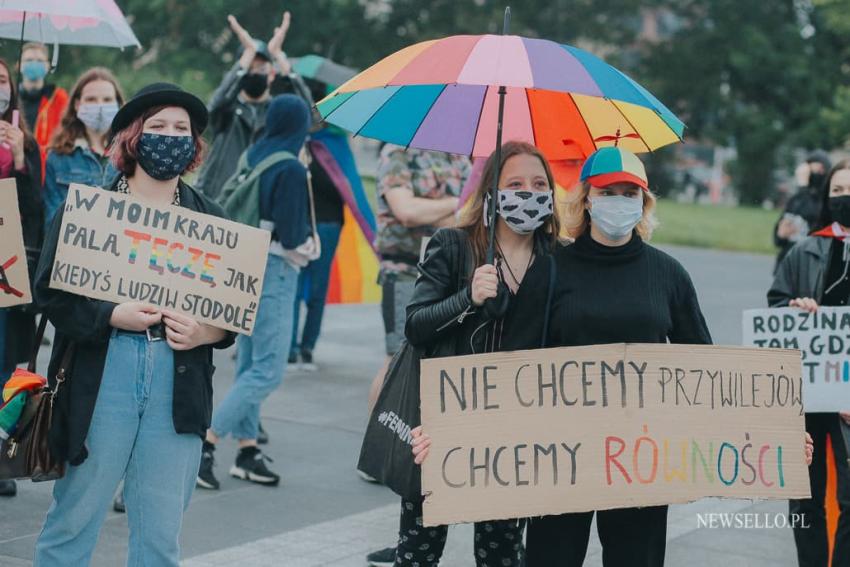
(25, 454)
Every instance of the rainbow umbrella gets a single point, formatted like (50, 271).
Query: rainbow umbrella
(77, 22)
(462, 94)
(443, 95)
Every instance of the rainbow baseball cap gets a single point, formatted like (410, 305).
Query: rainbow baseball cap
(610, 165)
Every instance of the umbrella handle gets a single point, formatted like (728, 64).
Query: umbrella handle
(494, 193)
(21, 51)
(55, 61)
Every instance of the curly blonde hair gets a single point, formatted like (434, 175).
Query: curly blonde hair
(576, 218)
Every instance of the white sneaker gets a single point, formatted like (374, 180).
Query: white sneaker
(366, 477)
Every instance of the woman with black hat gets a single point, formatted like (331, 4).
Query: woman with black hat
(138, 397)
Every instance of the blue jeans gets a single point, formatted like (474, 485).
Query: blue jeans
(132, 437)
(313, 289)
(260, 358)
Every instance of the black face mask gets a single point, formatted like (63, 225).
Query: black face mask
(839, 209)
(816, 180)
(255, 84)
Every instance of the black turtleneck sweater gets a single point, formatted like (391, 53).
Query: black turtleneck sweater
(632, 293)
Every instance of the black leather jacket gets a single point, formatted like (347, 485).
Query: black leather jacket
(441, 317)
(801, 272)
(442, 298)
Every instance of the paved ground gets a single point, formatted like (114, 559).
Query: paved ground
(323, 514)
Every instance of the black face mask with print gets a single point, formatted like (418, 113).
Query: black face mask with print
(839, 210)
(255, 84)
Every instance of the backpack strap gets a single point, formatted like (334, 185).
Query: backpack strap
(264, 164)
(39, 336)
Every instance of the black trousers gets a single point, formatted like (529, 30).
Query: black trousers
(497, 543)
(812, 542)
(631, 537)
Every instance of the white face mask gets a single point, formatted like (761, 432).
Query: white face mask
(5, 100)
(616, 216)
(97, 117)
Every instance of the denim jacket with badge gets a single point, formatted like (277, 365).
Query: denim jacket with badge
(80, 166)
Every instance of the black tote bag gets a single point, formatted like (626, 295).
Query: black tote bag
(386, 453)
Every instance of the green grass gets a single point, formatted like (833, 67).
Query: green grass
(743, 229)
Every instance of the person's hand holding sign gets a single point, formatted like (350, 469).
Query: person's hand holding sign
(804, 303)
(185, 333)
(845, 415)
(421, 445)
(13, 137)
(810, 448)
(786, 229)
(485, 284)
(134, 316)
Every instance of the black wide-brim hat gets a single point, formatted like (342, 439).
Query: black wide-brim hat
(161, 94)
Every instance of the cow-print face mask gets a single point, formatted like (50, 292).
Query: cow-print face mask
(524, 211)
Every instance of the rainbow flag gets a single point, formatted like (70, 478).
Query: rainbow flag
(14, 399)
(354, 271)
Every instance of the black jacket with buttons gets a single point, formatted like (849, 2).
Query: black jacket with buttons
(234, 125)
(84, 323)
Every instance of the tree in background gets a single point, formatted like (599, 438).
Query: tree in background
(754, 75)
(757, 75)
(189, 41)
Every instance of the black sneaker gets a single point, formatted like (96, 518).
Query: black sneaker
(206, 478)
(262, 436)
(251, 465)
(382, 558)
(307, 361)
(8, 488)
(118, 503)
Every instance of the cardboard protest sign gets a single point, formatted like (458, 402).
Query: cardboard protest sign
(115, 248)
(531, 433)
(824, 339)
(14, 277)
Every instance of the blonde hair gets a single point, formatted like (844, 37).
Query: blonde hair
(576, 217)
